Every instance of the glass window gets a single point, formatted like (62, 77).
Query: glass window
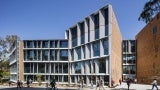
(41, 68)
(64, 55)
(27, 68)
(90, 67)
(129, 69)
(60, 67)
(52, 68)
(45, 44)
(105, 46)
(77, 67)
(60, 78)
(56, 55)
(30, 44)
(79, 53)
(39, 54)
(84, 67)
(106, 21)
(88, 25)
(65, 68)
(72, 78)
(35, 44)
(96, 22)
(65, 78)
(56, 68)
(52, 44)
(30, 54)
(96, 49)
(154, 29)
(125, 46)
(82, 32)
(84, 53)
(45, 54)
(35, 68)
(102, 66)
(74, 36)
(39, 44)
(96, 34)
(35, 54)
(132, 46)
(56, 44)
(47, 68)
(63, 44)
(52, 55)
(94, 69)
(72, 54)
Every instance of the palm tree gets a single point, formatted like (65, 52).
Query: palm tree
(151, 8)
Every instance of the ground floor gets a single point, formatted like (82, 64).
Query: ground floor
(87, 80)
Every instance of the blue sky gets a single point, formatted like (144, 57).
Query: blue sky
(48, 19)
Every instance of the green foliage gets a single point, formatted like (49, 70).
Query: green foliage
(39, 79)
(4, 70)
(5, 74)
(151, 8)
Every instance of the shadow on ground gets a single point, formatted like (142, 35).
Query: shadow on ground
(31, 88)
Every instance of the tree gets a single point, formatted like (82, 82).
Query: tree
(151, 8)
(39, 79)
(5, 45)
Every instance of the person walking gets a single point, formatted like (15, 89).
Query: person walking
(128, 83)
(18, 84)
(120, 81)
(112, 82)
(97, 86)
(101, 84)
(154, 84)
(9, 83)
(53, 83)
(135, 80)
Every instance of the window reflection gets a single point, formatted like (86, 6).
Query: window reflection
(64, 55)
(77, 67)
(96, 49)
(63, 44)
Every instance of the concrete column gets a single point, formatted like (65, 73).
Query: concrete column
(96, 66)
(78, 35)
(101, 24)
(87, 67)
(107, 66)
(91, 50)
(110, 44)
(92, 29)
(87, 81)
(86, 31)
(82, 68)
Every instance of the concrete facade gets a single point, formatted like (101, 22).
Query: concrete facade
(148, 52)
(94, 51)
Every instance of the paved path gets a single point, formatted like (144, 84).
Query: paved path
(121, 87)
(136, 87)
(31, 88)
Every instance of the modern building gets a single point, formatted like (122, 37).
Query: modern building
(91, 50)
(14, 61)
(148, 51)
(129, 59)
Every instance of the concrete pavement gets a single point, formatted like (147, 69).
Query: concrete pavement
(121, 87)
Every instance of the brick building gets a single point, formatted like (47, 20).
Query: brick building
(148, 52)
